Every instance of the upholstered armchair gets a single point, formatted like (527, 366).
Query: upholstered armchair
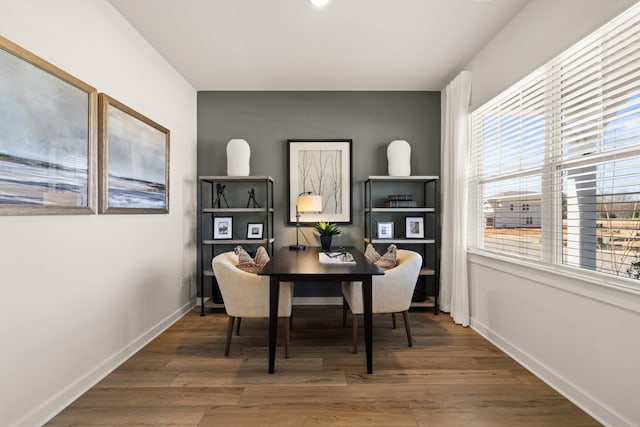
(392, 293)
(247, 295)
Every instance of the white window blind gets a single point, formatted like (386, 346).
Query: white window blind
(557, 157)
(510, 149)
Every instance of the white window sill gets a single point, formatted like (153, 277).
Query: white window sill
(616, 291)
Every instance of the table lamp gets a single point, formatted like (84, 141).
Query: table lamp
(306, 202)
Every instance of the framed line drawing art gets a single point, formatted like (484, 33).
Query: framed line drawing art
(222, 227)
(254, 231)
(322, 167)
(133, 167)
(385, 230)
(48, 137)
(414, 227)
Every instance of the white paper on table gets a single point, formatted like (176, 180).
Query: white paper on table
(336, 258)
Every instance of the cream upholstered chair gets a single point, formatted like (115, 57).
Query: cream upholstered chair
(392, 293)
(247, 295)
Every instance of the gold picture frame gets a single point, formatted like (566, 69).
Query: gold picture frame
(133, 167)
(49, 128)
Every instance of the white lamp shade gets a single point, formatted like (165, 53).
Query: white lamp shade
(309, 203)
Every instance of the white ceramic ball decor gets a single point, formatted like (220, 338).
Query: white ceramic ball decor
(238, 156)
(399, 158)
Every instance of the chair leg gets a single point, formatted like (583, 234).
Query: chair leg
(238, 326)
(344, 312)
(393, 320)
(405, 315)
(354, 320)
(229, 333)
(287, 325)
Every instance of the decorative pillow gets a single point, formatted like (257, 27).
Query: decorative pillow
(262, 257)
(386, 261)
(245, 263)
(371, 254)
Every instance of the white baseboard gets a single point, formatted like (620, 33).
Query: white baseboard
(602, 413)
(306, 301)
(317, 301)
(48, 409)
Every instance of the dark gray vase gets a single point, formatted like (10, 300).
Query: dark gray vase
(325, 242)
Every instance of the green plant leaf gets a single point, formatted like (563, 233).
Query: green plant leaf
(327, 229)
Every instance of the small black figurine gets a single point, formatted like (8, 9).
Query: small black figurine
(252, 198)
(220, 195)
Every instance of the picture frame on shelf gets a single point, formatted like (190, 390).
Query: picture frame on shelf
(222, 227)
(414, 227)
(321, 167)
(133, 166)
(255, 230)
(385, 230)
(48, 148)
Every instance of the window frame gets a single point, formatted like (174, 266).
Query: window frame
(552, 168)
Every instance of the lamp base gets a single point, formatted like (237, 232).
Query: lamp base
(297, 247)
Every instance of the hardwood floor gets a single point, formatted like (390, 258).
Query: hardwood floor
(451, 377)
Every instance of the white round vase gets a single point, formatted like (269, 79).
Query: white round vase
(399, 158)
(238, 156)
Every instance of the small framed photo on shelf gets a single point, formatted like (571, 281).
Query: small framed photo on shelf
(385, 230)
(414, 227)
(254, 231)
(222, 227)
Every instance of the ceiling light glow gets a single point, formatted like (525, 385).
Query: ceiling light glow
(319, 3)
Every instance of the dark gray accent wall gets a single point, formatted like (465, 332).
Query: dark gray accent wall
(267, 119)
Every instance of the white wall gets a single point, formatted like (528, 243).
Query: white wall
(540, 32)
(79, 294)
(582, 338)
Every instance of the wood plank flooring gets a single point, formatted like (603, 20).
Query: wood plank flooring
(451, 377)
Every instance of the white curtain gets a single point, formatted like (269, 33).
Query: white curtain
(454, 291)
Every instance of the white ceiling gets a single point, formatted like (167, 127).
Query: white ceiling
(290, 45)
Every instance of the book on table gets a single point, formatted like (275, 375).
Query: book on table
(336, 258)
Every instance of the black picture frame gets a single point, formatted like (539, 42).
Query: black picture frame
(255, 230)
(414, 227)
(321, 167)
(222, 227)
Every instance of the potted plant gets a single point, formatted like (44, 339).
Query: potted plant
(326, 230)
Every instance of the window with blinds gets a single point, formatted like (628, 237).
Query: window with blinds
(556, 158)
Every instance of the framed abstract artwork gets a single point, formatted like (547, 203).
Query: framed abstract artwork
(133, 166)
(321, 167)
(48, 125)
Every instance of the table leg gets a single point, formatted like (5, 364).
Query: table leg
(274, 297)
(368, 322)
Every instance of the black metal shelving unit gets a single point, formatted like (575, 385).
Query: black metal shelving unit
(424, 191)
(246, 199)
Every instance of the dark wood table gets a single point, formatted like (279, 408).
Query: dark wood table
(303, 266)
